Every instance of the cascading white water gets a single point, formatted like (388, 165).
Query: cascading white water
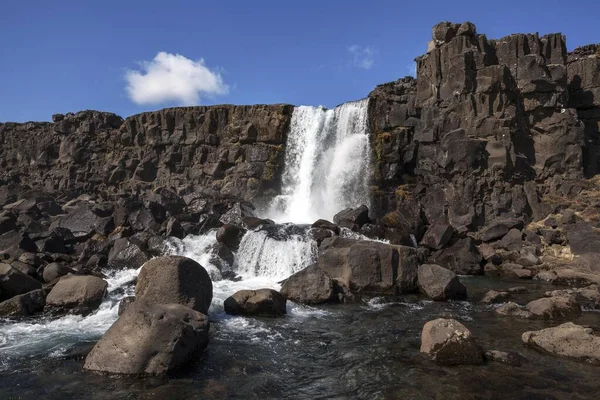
(326, 163)
(54, 336)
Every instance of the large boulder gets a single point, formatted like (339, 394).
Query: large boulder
(463, 258)
(237, 214)
(13, 282)
(126, 253)
(150, 339)
(567, 340)
(311, 285)
(557, 307)
(261, 302)
(448, 342)
(23, 304)
(175, 279)
(440, 284)
(366, 266)
(79, 294)
(353, 217)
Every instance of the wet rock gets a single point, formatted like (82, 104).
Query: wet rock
(126, 253)
(14, 282)
(372, 231)
(493, 296)
(448, 342)
(236, 215)
(174, 228)
(558, 307)
(463, 258)
(438, 235)
(23, 304)
(261, 302)
(311, 285)
(175, 279)
(54, 271)
(440, 284)
(150, 339)
(505, 357)
(353, 216)
(365, 266)
(567, 340)
(324, 224)
(160, 245)
(79, 294)
(125, 303)
(230, 236)
(514, 310)
(320, 234)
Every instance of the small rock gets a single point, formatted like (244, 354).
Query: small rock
(505, 357)
(493, 296)
(23, 304)
(261, 302)
(559, 307)
(448, 342)
(54, 271)
(311, 285)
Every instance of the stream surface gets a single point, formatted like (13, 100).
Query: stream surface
(368, 350)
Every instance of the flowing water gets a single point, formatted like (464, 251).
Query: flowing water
(368, 350)
(326, 163)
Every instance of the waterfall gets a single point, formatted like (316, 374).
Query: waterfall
(326, 163)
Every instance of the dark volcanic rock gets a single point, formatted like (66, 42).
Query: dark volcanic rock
(365, 266)
(175, 279)
(311, 285)
(23, 304)
(54, 271)
(150, 339)
(230, 236)
(438, 235)
(261, 302)
(78, 294)
(462, 257)
(440, 284)
(14, 282)
(126, 253)
(353, 216)
(448, 342)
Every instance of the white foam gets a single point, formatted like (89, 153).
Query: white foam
(327, 161)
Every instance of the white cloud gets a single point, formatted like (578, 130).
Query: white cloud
(362, 57)
(173, 77)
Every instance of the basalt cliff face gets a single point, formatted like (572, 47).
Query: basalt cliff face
(488, 128)
(234, 151)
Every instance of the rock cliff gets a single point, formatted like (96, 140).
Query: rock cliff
(488, 128)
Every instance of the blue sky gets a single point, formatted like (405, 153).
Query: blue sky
(61, 56)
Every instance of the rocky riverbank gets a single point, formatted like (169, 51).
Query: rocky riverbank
(484, 169)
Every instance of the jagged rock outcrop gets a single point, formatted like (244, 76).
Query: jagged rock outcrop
(486, 129)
